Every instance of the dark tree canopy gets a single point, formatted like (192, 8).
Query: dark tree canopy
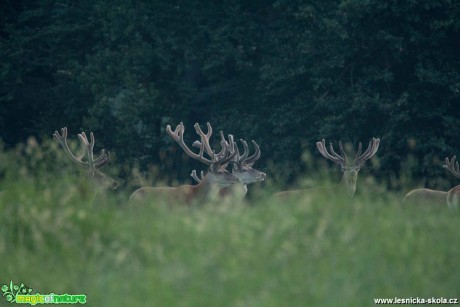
(284, 73)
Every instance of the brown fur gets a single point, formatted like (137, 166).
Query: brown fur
(184, 194)
(426, 197)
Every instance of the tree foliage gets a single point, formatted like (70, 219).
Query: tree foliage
(285, 74)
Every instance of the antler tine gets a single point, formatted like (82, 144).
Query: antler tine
(344, 155)
(62, 139)
(232, 146)
(369, 148)
(229, 154)
(243, 158)
(178, 136)
(222, 153)
(358, 153)
(256, 156)
(453, 166)
(225, 147)
(224, 141)
(228, 145)
(196, 144)
(222, 137)
(89, 146)
(101, 157)
(370, 151)
(101, 160)
(174, 134)
(335, 157)
(195, 176)
(94, 163)
(205, 137)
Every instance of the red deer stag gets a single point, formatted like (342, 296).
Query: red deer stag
(350, 169)
(216, 178)
(241, 168)
(92, 164)
(436, 197)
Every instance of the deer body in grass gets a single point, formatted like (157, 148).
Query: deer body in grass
(216, 178)
(435, 197)
(349, 168)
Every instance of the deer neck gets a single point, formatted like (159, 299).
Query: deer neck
(348, 183)
(205, 188)
(237, 191)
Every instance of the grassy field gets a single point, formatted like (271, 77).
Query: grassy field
(327, 252)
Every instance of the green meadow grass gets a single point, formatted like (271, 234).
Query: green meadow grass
(63, 237)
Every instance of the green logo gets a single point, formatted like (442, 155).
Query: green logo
(21, 294)
(10, 292)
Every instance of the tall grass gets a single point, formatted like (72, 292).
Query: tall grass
(63, 236)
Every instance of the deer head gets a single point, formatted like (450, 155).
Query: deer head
(217, 164)
(241, 163)
(349, 168)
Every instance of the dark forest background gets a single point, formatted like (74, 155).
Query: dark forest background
(284, 73)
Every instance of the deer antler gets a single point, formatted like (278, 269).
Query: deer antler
(256, 156)
(244, 157)
(452, 166)
(88, 148)
(195, 176)
(178, 136)
(62, 139)
(205, 137)
(99, 161)
(333, 156)
(369, 153)
(342, 159)
(220, 159)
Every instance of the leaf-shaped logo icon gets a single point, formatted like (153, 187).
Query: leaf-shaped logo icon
(10, 292)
